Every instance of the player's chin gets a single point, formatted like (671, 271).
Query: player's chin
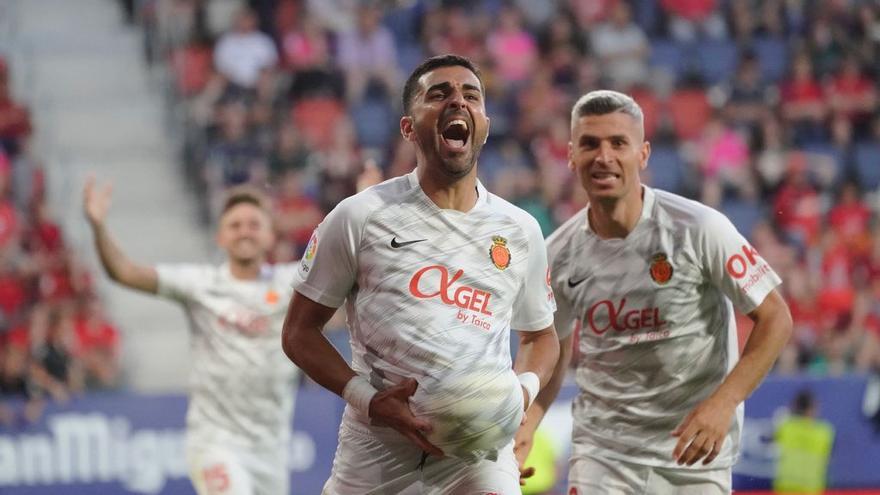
(246, 255)
(458, 165)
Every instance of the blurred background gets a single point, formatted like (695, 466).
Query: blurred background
(766, 110)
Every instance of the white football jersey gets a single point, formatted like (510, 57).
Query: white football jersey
(657, 330)
(430, 294)
(242, 386)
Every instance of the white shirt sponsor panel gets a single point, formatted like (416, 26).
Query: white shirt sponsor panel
(242, 386)
(657, 329)
(430, 294)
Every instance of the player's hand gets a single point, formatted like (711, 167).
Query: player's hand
(96, 201)
(390, 407)
(522, 445)
(702, 432)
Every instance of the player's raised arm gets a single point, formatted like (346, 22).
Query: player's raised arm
(96, 203)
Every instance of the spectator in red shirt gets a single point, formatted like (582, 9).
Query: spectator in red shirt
(837, 294)
(866, 325)
(43, 234)
(13, 292)
(797, 203)
(803, 102)
(9, 223)
(851, 94)
(850, 217)
(96, 345)
(296, 214)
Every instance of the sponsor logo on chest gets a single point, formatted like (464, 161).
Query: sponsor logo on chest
(615, 315)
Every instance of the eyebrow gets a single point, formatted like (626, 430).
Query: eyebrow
(446, 86)
(587, 137)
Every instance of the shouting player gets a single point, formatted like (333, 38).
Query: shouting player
(435, 271)
(650, 276)
(242, 387)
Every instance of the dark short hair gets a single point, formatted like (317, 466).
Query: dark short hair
(803, 402)
(603, 102)
(409, 88)
(244, 195)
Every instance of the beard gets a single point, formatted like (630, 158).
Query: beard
(454, 166)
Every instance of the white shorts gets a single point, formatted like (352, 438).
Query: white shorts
(216, 470)
(590, 475)
(380, 461)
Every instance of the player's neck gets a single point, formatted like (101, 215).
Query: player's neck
(456, 194)
(615, 218)
(242, 270)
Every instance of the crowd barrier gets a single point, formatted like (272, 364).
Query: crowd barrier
(125, 443)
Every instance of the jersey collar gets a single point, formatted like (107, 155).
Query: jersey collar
(648, 201)
(482, 194)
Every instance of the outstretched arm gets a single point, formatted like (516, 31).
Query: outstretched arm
(96, 203)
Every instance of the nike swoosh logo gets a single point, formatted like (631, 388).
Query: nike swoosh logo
(573, 283)
(396, 244)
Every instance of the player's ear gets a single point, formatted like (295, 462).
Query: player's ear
(645, 153)
(406, 127)
(570, 156)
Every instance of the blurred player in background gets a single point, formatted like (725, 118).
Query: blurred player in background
(435, 271)
(651, 276)
(242, 387)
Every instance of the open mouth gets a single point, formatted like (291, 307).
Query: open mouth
(604, 177)
(455, 134)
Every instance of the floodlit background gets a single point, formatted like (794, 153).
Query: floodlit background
(766, 110)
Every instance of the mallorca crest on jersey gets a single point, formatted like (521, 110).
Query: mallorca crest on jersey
(498, 253)
(661, 269)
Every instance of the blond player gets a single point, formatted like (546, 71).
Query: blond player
(242, 387)
(652, 279)
(434, 271)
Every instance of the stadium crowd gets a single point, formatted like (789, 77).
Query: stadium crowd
(765, 110)
(55, 341)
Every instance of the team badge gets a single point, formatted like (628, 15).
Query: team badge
(498, 253)
(573, 491)
(661, 269)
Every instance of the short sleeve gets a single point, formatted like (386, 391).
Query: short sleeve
(180, 282)
(564, 318)
(534, 306)
(328, 269)
(733, 265)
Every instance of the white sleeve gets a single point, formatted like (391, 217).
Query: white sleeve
(328, 269)
(180, 281)
(733, 265)
(534, 305)
(564, 318)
